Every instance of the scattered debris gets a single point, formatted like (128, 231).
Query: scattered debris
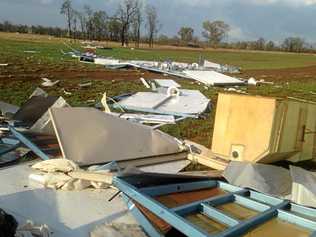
(49, 83)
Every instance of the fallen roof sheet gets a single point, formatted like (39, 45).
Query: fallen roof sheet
(213, 78)
(188, 103)
(88, 136)
(166, 83)
(268, 179)
(67, 213)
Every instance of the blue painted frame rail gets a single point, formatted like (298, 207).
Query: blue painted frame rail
(28, 143)
(267, 207)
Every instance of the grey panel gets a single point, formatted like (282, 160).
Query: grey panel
(88, 136)
(267, 179)
(34, 108)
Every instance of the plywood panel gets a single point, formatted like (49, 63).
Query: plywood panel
(237, 211)
(243, 120)
(278, 228)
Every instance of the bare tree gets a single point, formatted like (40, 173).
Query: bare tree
(152, 24)
(99, 22)
(75, 20)
(215, 31)
(137, 23)
(293, 44)
(260, 44)
(67, 10)
(82, 23)
(186, 34)
(89, 21)
(270, 46)
(127, 11)
(114, 29)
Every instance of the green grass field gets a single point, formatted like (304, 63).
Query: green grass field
(24, 74)
(49, 51)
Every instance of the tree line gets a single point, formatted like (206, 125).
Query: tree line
(124, 26)
(133, 16)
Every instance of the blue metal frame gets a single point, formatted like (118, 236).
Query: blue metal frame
(267, 207)
(9, 148)
(28, 143)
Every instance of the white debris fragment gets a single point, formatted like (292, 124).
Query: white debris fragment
(30, 51)
(54, 165)
(3, 64)
(85, 85)
(145, 83)
(105, 104)
(48, 83)
(252, 81)
(66, 92)
(231, 89)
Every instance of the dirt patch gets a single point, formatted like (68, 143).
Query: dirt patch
(97, 74)
(302, 74)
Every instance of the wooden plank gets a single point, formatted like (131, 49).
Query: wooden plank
(93, 176)
(212, 162)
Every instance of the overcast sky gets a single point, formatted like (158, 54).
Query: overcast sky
(249, 19)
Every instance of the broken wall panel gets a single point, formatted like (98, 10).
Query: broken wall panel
(188, 103)
(88, 136)
(34, 108)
